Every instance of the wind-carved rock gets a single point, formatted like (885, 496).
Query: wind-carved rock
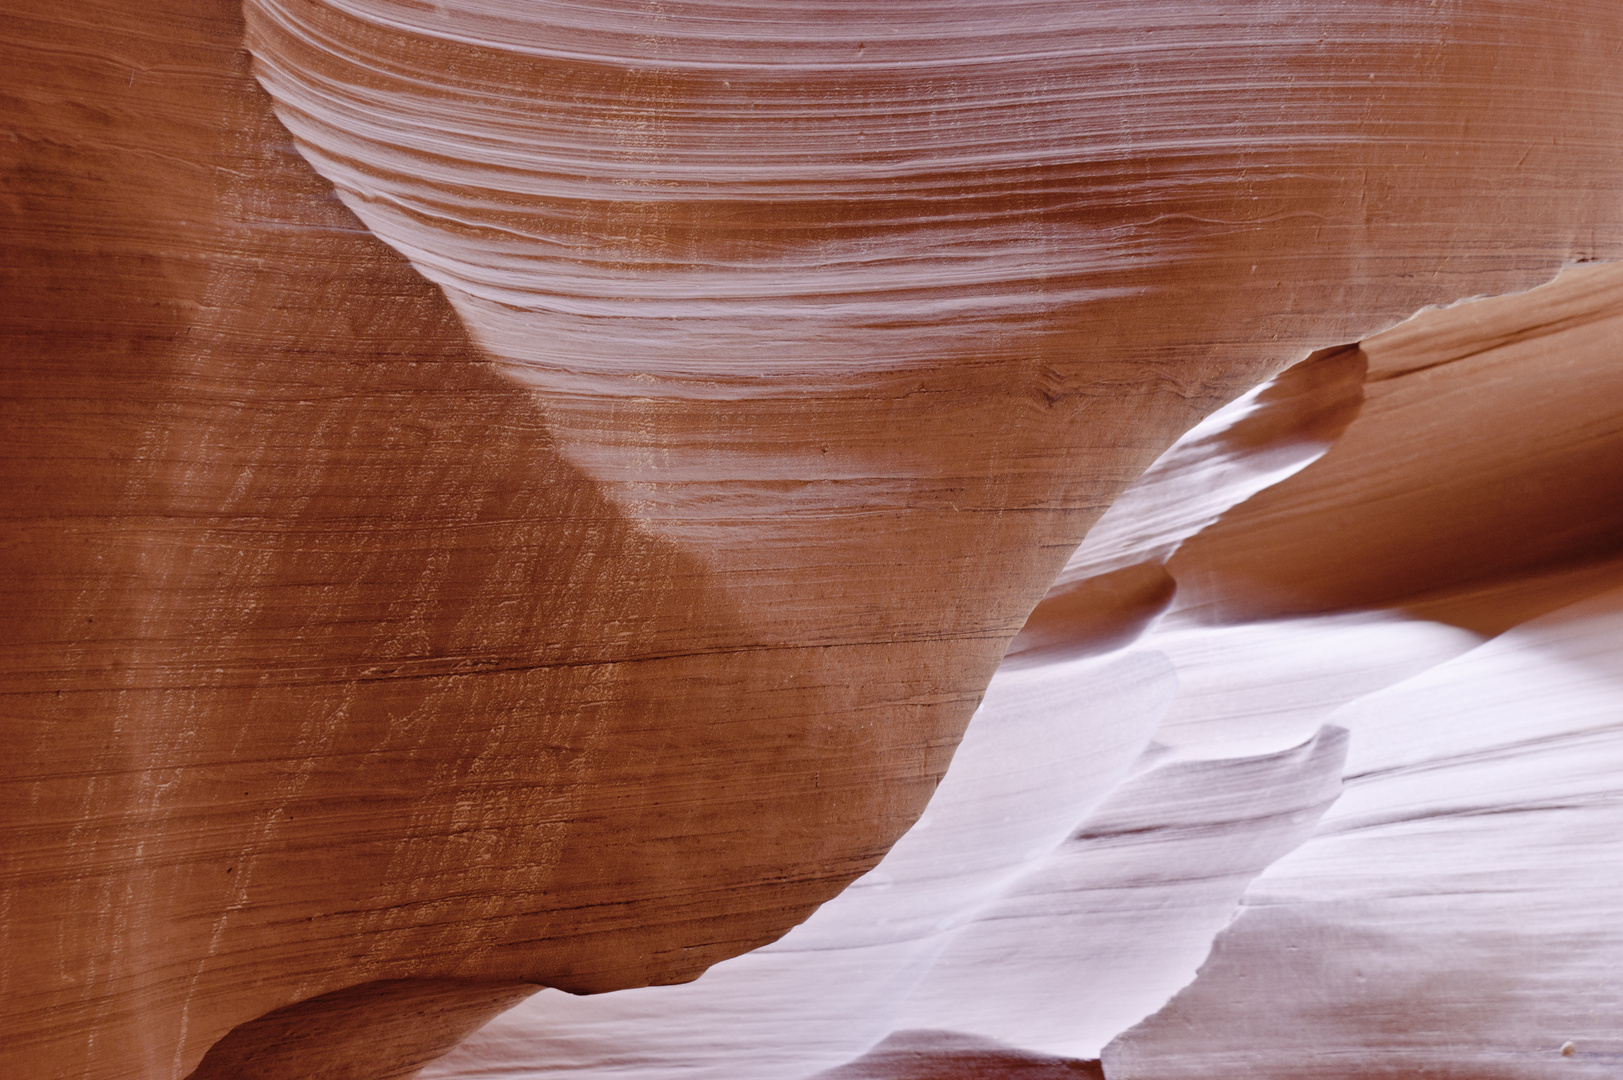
(1453, 803)
(574, 557)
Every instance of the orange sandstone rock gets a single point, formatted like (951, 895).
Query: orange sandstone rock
(572, 554)
(1452, 912)
(1489, 431)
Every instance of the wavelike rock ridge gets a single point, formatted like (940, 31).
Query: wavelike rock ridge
(511, 495)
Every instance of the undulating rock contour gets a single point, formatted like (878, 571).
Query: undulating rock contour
(510, 496)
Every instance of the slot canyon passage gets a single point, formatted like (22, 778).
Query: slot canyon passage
(513, 506)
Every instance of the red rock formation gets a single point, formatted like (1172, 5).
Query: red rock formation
(989, 918)
(1489, 431)
(385, 1029)
(1453, 913)
(572, 555)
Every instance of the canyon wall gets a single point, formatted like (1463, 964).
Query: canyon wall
(515, 496)
(1366, 840)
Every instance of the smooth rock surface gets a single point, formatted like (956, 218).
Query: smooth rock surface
(1489, 430)
(1460, 874)
(536, 497)
(1455, 913)
(1045, 748)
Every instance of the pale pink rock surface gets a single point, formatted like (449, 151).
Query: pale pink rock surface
(1455, 913)
(1101, 931)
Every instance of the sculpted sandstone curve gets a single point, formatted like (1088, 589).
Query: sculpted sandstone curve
(1449, 907)
(572, 554)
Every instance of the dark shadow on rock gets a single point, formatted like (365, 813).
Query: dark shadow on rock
(409, 1022)
(948, 1055)
(1094, 615)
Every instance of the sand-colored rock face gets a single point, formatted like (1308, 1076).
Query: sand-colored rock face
(736, 246)
(1489, 431)
(532, 495)
(1357, 843)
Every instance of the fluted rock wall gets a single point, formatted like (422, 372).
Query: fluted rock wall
(1349, 843)
(572, 553)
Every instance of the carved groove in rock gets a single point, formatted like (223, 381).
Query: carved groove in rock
(537, 496)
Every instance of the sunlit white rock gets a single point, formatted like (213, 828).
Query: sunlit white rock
(1455, 913)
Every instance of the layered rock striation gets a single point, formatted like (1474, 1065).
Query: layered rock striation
(1356, 841)
(510, 496)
